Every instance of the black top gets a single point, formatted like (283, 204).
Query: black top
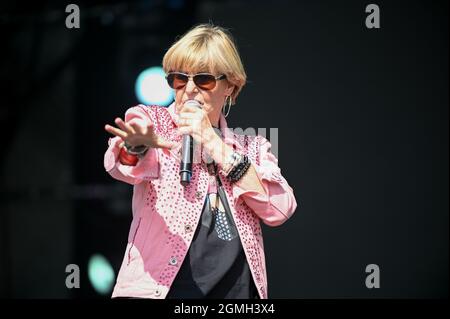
(215, 265)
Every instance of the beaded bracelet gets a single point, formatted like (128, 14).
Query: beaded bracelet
(136, 150)
(238, 167)
(239, 170)
(233, 160)
(240, 174)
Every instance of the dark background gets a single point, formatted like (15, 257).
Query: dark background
(363, 137)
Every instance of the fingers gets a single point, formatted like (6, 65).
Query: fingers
(138, 128)
(185, 130)
(124, 130)
(188, 121)
(190, 109)
(188, 116)
(115, 131)
(183, 122)
(124, 126)
(139, 124)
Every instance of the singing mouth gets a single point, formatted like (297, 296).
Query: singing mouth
(201, 103)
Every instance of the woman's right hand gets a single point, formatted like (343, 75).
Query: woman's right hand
(136, 134)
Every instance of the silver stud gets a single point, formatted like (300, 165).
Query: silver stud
(173, 261)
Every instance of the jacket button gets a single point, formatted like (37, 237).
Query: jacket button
(187, 228)
(157, 293)
(198, 195)
(173, 261)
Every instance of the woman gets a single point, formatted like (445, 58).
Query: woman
(202, 240)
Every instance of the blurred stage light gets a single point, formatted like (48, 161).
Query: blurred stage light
(101, 274)
(152, 88)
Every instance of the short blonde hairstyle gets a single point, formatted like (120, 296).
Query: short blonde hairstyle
(207, 48)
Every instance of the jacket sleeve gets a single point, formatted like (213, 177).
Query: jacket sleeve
(279, 203)
(147, 168)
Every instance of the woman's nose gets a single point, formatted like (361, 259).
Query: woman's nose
(190, 86)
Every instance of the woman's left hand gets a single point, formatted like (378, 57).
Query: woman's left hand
(194, 121)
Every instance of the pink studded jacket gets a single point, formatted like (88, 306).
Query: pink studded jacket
(165, 214)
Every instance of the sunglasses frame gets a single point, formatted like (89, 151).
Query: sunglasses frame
(191, 76)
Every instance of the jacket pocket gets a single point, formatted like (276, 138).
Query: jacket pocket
(133, 240)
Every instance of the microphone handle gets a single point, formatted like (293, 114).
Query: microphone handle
(186, 160)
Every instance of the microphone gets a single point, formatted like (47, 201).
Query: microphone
(187, 152)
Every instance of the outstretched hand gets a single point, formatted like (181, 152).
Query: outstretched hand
(136, 134)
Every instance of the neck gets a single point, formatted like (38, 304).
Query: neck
(214, 119)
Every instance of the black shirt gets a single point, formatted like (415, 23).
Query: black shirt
(215, 265)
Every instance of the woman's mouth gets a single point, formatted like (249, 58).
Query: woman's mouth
(200, 102)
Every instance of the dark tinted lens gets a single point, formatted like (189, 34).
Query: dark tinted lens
(177, 81)
(205, 81)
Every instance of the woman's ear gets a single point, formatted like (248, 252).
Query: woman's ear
(230, 89)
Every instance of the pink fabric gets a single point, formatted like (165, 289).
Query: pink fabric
(165, 214)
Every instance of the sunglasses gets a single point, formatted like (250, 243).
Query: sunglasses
(204, 81)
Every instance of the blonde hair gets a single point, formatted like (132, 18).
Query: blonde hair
(207, 48)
